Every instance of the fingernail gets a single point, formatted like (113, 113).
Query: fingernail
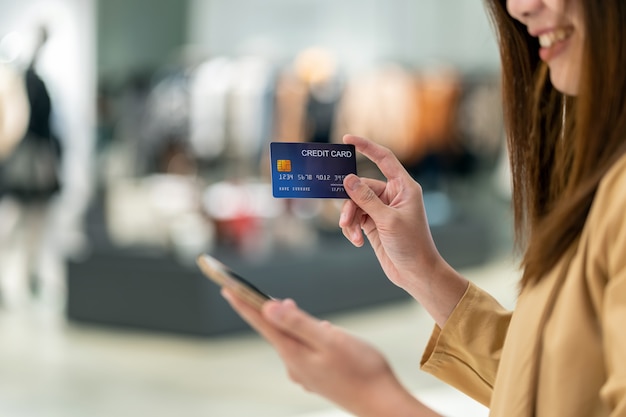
(352, 182)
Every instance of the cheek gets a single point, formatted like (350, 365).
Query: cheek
(517, 9)
(562, 6)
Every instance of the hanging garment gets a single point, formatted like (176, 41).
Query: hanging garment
(291, 96)
(481, 120)
(250, 107)
(209, 86)
(31, 171)
(383, 105)
(321, 108)
(438, 95)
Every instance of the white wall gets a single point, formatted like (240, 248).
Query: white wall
(138, 35)
(420, 32)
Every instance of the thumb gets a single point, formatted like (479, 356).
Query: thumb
(286, 316)
(363, 196)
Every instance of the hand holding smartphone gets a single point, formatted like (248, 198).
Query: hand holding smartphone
(224, 277)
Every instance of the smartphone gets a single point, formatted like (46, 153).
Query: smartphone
(224, 277)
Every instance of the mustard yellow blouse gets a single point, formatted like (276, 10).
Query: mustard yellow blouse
(562, 351)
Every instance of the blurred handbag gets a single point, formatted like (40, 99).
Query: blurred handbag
(32, 169)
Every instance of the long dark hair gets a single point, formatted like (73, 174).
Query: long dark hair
(560, 147)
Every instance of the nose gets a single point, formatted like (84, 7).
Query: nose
(523, 9)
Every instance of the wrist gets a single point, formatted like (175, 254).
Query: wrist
(438, 289)
(391, 398)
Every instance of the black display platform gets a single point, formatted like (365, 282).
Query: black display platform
(127, 288)
(153, 291)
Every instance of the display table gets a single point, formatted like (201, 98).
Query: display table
(155, 291)
(151, 290)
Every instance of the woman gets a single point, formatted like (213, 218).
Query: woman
(562, 352)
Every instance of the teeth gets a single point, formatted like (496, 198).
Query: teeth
(548, 39)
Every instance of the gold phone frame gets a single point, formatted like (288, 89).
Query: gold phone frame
(225, 277)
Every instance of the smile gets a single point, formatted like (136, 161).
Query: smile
(548, 39)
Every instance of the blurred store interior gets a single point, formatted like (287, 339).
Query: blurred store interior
(160, 114)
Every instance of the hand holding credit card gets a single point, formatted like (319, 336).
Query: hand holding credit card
(310, 170)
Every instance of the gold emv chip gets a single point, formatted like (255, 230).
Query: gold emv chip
(283, 165)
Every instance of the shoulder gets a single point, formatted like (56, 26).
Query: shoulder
(611, 194)
(606, 222)
(615, 179)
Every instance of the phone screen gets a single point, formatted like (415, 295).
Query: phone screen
(225, 277)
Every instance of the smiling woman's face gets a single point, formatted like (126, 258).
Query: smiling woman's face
(558, 26)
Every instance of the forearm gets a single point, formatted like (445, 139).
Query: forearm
(438, 291)
(390, 399)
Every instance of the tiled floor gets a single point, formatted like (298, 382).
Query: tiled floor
(49, 367)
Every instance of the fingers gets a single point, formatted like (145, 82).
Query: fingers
(364, 197)
(352, 215)
(286, 316)
(365, 193)
(255, 319)
(381, 156)
(282, 323)
(350, 224)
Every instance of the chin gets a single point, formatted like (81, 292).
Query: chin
(565, 86)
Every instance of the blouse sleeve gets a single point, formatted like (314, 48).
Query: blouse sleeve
(465, 353)
(608, 217)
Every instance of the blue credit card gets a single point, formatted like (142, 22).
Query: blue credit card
(310, 170)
